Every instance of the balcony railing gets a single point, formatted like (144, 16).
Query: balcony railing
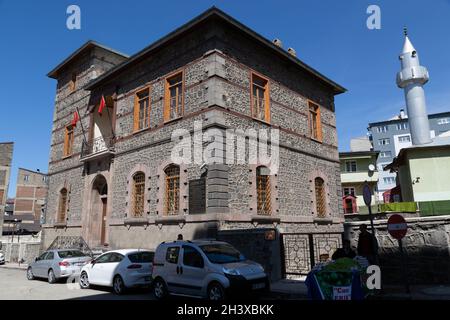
(97, 146)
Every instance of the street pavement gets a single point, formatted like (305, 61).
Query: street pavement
(14, 285)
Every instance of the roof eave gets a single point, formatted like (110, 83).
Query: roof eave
(337, 89)
(89, 44)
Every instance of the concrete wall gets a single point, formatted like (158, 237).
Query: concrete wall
(433, 169)
(427, 246)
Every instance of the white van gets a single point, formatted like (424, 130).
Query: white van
(203, 268)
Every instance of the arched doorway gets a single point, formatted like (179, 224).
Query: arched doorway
(99, 204)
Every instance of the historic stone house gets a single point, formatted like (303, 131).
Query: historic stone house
(112, 180)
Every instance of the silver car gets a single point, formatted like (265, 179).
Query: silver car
(204, 268)
(57, 264)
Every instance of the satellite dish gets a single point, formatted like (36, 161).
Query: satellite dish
(371, 167)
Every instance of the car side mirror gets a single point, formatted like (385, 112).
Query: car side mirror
(36, 259)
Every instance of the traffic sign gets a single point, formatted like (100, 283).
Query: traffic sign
(397, 226)
(367, 194)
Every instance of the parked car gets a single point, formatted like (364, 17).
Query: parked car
(119, 269)
(2, 258)
(57, 264)
(208, 269)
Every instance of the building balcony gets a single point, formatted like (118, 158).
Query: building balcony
(359, 177)
(97, 148)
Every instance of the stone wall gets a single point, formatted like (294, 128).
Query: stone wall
(427, 247)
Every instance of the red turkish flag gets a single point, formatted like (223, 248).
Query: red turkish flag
(75, 119)
(102, 105)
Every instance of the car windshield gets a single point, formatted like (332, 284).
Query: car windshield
(222, 253)
(70, 254)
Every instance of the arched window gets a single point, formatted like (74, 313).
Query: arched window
(172, 194)
(138, 193)
(264, 205)
(319, 185)
(62, 207)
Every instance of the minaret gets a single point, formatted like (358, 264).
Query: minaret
(411, 79)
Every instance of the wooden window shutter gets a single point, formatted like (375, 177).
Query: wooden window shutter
(136, 113)
(267, 103)
(319, 125)
(166, 101)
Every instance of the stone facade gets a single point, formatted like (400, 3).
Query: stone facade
(6, 153)
(216, 60)
(426, 246)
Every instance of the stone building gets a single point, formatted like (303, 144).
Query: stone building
(113, 181)
(6, 152)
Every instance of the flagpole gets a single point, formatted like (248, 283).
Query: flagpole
(110, 122)
(82, 129)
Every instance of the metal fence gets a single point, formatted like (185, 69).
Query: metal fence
(301, 251)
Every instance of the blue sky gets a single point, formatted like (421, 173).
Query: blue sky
(330, 36)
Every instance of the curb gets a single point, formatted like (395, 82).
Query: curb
(13, 267)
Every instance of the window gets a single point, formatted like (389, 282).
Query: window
(70, 254)
(389, 180)
(105, 258)
(319, 185)
(142, 109)
(385, 154)
(192, 258)
(50, 256)
(172, 254)
(138, 194)
(141, 257)
(314, 122)
(402, 126)
(68, 141)
(443, 121)
(382, 129)
(350, 166)
(173, 107)
(404, 138)
(349, 191)
(73, 82)
(263, 190)
(26, 177)
(45, 179)
(385, 141)
(172, 189)
(62, 207)
(222, 253)
(260, 98)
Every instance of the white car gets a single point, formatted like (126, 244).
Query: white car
(2, 258)
(119, 269)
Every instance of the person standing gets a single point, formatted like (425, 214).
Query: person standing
(367, 244)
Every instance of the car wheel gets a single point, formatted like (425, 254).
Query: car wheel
(118, 285)
(51, 276)
(216, 292)
(30, 275)
(84, 280)
(159, 289)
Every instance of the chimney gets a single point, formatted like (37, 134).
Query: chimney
(278, 43)
(402, 114)
(292, 52)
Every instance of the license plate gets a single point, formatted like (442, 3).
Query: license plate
(257, 286)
